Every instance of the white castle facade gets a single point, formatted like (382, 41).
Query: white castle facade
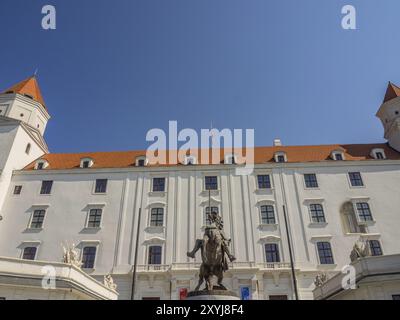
(117, 210)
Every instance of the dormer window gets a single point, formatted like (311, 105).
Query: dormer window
(230, 159)
(337, 155)
(378, 153)
(41, 164)
(86, 163)
(141, 161)
(280, 156)
(190, 160)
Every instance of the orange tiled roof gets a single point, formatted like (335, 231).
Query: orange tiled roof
(30, 87)
(295, 154)
(392, 92)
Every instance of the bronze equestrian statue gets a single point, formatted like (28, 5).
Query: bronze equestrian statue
(214, 249)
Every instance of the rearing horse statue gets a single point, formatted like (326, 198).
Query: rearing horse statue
(214, 246)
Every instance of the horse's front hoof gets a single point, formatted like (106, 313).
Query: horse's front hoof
(190, 254)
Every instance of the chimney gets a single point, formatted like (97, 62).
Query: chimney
(277, 142)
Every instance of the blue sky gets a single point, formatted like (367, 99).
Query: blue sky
(112, 70)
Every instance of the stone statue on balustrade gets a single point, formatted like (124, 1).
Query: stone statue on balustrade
(71, 255)
(360, 250)
(109, 282)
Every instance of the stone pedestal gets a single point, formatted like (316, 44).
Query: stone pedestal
(212, 295)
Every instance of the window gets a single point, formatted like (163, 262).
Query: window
(325, 253)
(364, 211)
(88, 257)
(355, 179)
(310, 180)
(85, 164)
(101, 186)
(141, 161)
(375, 247)
(37, 219)
(280, 156)
(158, 184)
(46, 187)
(264, 181)
(272, 252)
(29, 253)
(211, 183)
(338, 156)
(207, 212)
(267, 214)
(41, 164)
(17, 189)
(157, 217)
(395, 296)
(155, 255)
(28, 148)
(94, 218)
(379, 155)
(317, 213)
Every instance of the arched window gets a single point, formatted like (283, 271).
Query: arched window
(86, 162)
(28, 148)
(41, 164)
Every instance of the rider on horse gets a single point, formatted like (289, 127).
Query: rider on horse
(216, 223)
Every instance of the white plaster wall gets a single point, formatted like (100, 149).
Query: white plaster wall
(13, 140)
(184, 200)
(24, 109)
(26, 293)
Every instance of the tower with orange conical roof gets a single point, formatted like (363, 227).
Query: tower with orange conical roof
(389, 114)
(24, 102)
(23, 120)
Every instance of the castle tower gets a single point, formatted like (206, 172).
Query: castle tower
(389, 114)
(23, 120)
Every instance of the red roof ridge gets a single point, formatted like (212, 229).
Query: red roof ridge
(143, 151)
(262, 155)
